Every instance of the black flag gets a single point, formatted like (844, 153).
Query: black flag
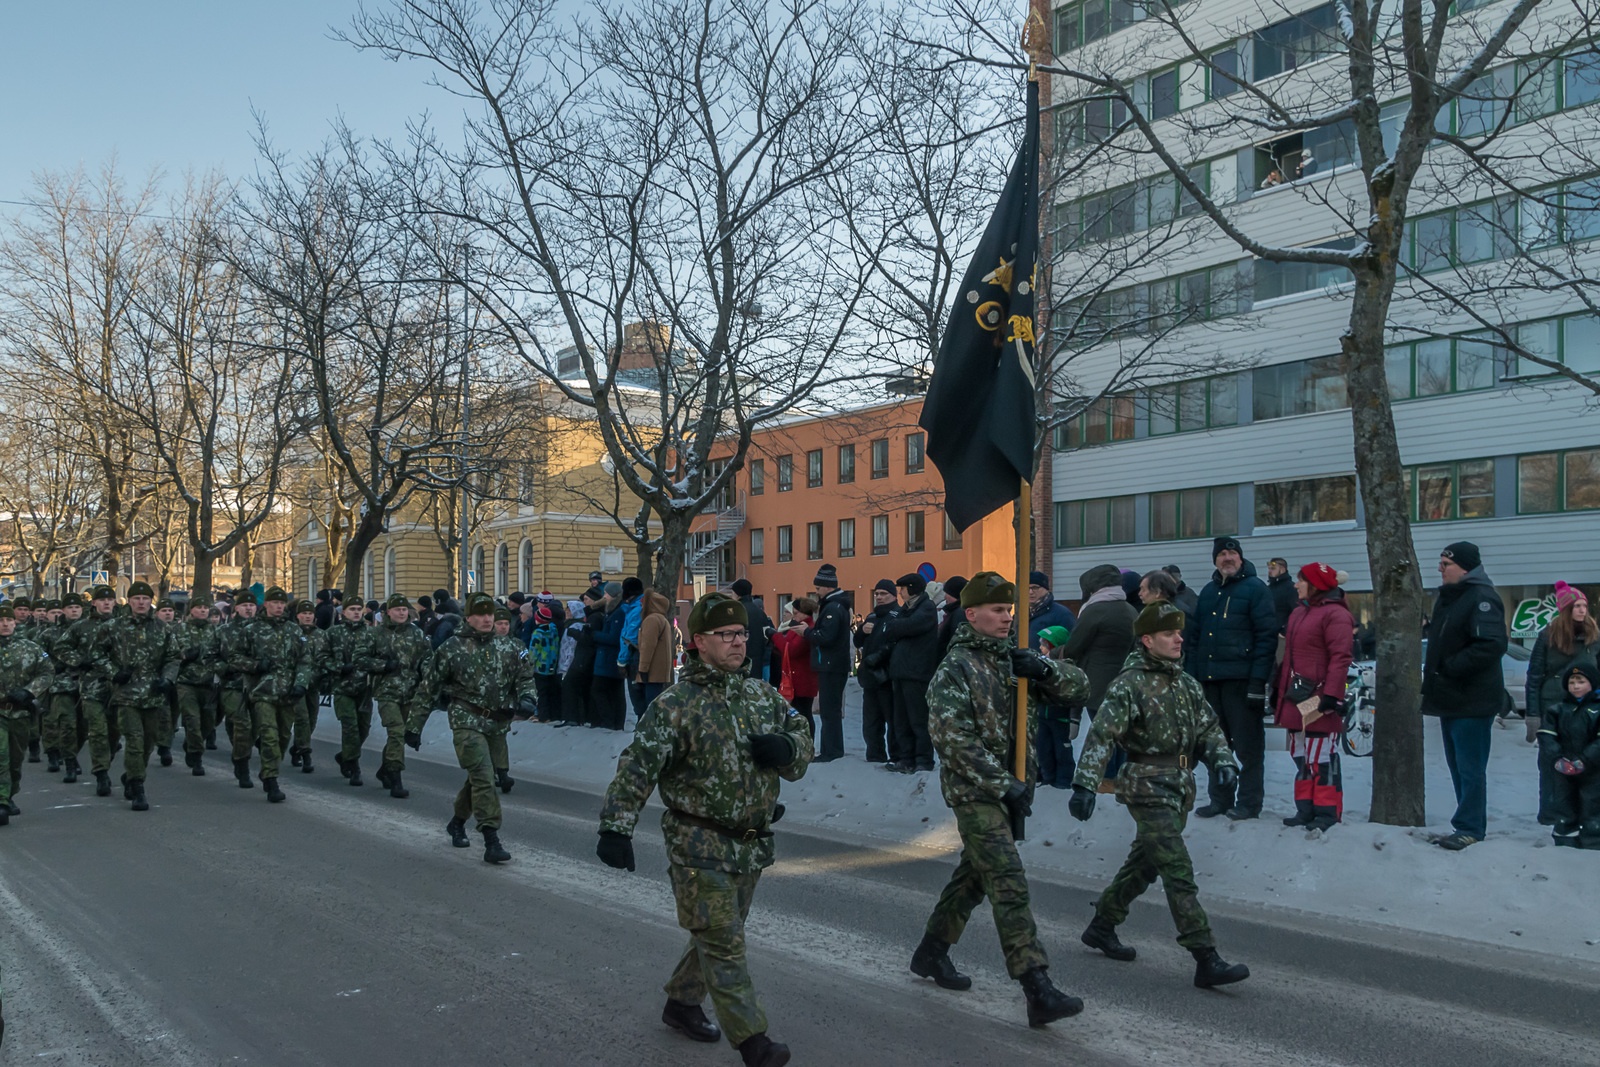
(979, 412)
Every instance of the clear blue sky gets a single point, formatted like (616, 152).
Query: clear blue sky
(169, 85)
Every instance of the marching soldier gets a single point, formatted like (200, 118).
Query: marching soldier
(76, 652)
(25, 675)
(167, 613)
(277, 645)
(716, 744)
(305, 723)
(392, 653)
(480, 688)
(136, 650)
(499, 752)
(194, 643)
(237, 667)
(343, 676)
(59, 727)
(1160, 716)
(25, 625)
(970, 700)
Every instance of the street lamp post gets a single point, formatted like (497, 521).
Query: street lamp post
(466, 363)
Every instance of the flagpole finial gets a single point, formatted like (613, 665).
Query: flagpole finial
(1035, 42)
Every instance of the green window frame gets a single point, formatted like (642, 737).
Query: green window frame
(1098, 521)
(1186, 514)
(1551, 483)
(1450, 491)
(1439, 366)
(1106, 419)
(1198, 404)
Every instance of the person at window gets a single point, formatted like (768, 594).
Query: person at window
(1274, 177)
(1307, 165)
(792, 649)
(1310, 692)
(1569, 750)
(1571, 638)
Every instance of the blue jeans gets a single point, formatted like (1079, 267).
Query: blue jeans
(1466, 751)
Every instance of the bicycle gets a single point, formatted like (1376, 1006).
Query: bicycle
(1360, 707)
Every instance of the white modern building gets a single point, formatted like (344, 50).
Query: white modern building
(1224, 407)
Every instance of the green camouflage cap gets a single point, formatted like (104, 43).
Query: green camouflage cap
(480, 604)
(1158, 618)
(715, 610)
(987, 587)
(278, 593)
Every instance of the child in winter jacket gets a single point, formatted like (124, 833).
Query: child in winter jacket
(1569, 741)
(544, 650)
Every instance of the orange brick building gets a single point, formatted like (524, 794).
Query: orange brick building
(853, 489)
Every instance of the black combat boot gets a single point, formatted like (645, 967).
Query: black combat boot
(1212, 809)
(397, 788)
(274, 794)
(164, 753)
(1102, 934)
(241, 771)
(294, 756)
(503, 779)
(382, 776)
(211, 740)
(759, 1050)
(1046, 1003)
(354, 767)
(55, 760)
(10, 807)
(932, 960)
(305, 761)
(493, 850)
(139, 802)
(1303, 814)
(5, 819)
(72, 770)
(102, 783)
(690, 1020)
(457, 829)
(33, 751)
(127, 788)
(1212, 970)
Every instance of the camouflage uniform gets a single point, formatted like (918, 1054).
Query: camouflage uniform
(137, 649)
(970, 701)
(76, 652)
(695, 746)
(340, 671)
(277, 645)
(1155, 711)
(194, 643)
(478, 683)
(23, 665)
(59, 725)
(238, 668)
(393, 654)
(305, 723)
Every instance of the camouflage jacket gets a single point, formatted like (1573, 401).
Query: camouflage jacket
(393, 655)
(970, 716)
(280, 644)
(76, 651)
(65, 678)
(141, 646)
(477, 679)
(1153, 708)
(23, 665)
(195, 646)
(327, 654)
(695, 745)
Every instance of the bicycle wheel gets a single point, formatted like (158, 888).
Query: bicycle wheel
(1357, 734)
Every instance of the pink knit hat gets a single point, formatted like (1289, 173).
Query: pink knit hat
(1566, 596)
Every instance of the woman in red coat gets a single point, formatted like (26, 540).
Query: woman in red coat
(798, 682)
(1310, 694)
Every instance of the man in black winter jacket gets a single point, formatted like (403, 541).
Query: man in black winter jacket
(954, 613)
(877, 692)
(1284, 597)
(831, 658)
(1229, 644)
(760, 644)
(913, 656)
(1463, 683)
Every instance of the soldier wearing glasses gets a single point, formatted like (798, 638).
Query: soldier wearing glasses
(716, 744)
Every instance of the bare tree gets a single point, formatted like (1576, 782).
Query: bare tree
(48, 491)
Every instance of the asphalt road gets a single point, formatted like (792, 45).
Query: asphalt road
(340, 928)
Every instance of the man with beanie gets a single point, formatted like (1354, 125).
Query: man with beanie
(1043, 610)
(1281, 583)
(1232, 639)
(954, 613)
(973, 728)
(877, 691)
(1185, 598)
(829, 636)
(1463, 684)
(760, 629)
(913, 655)
(715, 744)
(1160, 716)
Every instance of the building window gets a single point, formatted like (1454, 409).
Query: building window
(1294, 42)
(758, 546)
(388, 572)
(914, 444)
(1558, 481)
(1147, 203)
(1440, 492)
(813, 468)
(758, 477)
(1573, 341)
(502, 568)
(847, 464)
(1306, 500)
(952, 536)
(785, 473)
(880, 535)
(1299, 388)
(1087, 21)
(880, 458)
(785, 544)
(813, 540)
(1274, 280)
(366, 575)
(1203, 512)
(915, 531)
(1445, 365)
(1551, 85)
(526, 568)
(1108, 418)
(476, 577)
(847, 538)
(1105, 521)
(1198, 405)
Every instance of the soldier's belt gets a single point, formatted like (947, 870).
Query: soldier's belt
(1183, 762)
(752, 834)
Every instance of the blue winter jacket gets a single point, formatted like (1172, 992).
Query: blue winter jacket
(607, 640)
(1233, 631)
(1049, 614)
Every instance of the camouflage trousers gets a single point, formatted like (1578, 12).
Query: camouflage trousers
(257, 720)
(141, 733)
(713, 906)
(13, 749)
(478, 796)
(99, 731)
(306, 724)
(989, 867)
(392, 714)
(1158, 850)
(60, 726)
(355, 723)
(193, 711)
(499, 753)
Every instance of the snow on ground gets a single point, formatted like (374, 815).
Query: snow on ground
(1513, 889)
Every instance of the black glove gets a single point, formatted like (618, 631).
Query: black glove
(263, 666)
(528, 706)
(771, 750)
(20, 697)
(615, 850)
(1225, 777)
(1257, 699)
(1026, 663)
(346, 670)
(191, 653)
(391, 665)
(1330, 705)
(1082, 803)
(122, 678)
(414, 739)
(165, 687)
(777, 813)
(1016, 799)
(296, 691)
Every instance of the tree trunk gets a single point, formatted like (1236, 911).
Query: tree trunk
(361, 538)
(669, 558)
(1397, 768)
(202, 571)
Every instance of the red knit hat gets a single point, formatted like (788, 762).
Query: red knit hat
(1320, 576)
